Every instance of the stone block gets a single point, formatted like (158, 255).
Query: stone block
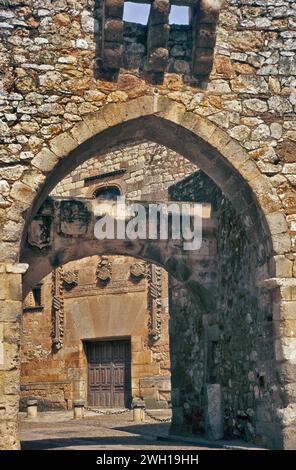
(285, 328)
(288, 292)
(12, 382)
(126, 111)
(214, 412)
(22, 192)
(8, 251)
(146, 105)
(289, 438)
(281, 243)
(15, 288)
(277, 222)
(10, 310)
(81, 132)
(137, 344)
(285, 350)
(45, 160)
(219, 140)
(143, 357)
(17, 268)
(290, 390)
(249, 171)
(146, 369)
(4, 289)
(63, 144)
(95, 122)
(9, 435)
(170, 110)
(282, 266)
(284, 310)
(190, 120)
(287, 372)
(1, 347)
(203, 128)
(260, 186)
(11, 356)
(113, 113)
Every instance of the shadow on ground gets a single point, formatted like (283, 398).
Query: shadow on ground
(121, 441)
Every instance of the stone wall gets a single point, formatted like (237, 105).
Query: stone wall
(235, 337)
(145, 171)
(94, 310)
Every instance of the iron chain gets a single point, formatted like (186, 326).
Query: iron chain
(121, 412)
(107, 413)
(160, 420)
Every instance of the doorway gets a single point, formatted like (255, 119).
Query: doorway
(109, 373)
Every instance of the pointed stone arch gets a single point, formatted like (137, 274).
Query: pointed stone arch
(167, 122)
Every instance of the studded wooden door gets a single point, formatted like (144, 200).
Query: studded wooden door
(109, 373)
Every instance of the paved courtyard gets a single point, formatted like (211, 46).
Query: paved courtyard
(58, 430)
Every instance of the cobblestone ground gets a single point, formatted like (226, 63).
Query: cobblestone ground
(58, 430)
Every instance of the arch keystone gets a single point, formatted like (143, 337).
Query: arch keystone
(146, 105)
(138, 107)
(170, 110)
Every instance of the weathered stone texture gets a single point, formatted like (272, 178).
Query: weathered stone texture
(93, 310)
(49, 85)
(241, 360)
(144, 171)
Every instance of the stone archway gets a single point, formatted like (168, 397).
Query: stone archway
(167, 122)
(224, 160)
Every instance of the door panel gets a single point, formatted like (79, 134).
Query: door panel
(109, 373)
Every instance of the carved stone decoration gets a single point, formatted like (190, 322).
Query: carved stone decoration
(70, 279)
(154, 276)
(138, 270)
(57, 309)
(75, 218)
(104, 270)
(39, 232)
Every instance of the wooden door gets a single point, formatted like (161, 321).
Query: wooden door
(109, 373)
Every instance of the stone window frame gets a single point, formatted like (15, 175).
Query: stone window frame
(37, 307)
(106, 184)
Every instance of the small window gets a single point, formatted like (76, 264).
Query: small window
(33, 301)
(110, 193)
(136, 12)
(179, 15)
(37, 296)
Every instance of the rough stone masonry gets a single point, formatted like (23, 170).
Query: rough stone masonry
(223, 95)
